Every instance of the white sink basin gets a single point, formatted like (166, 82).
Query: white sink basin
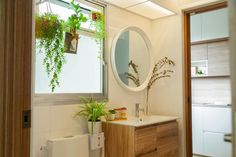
(144, 120)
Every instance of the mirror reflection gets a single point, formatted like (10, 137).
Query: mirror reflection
(132, 58)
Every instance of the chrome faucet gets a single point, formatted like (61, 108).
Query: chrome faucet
(137, 110)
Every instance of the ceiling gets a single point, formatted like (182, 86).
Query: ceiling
(146, 8)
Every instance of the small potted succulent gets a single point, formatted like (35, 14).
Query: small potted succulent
(111, 115)
(93, 111)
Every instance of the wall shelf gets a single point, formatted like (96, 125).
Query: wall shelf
(220, 76)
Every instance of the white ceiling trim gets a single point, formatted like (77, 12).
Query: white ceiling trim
(145, 8)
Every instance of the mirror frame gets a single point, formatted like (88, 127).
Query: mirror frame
(113, 63)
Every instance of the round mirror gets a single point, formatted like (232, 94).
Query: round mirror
(131, 58)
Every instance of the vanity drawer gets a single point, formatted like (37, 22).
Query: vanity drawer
(151, 154)
(167, 140)
(167, 134)
(168, 151)
(145, 141)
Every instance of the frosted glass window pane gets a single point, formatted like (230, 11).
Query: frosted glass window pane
(64, 12)
(82, 72)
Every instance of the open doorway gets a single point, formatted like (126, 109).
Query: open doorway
(207, 86)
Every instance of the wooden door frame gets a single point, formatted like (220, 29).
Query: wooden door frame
(187, 70)
(15, 76)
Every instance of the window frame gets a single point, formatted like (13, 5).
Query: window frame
(74, 98)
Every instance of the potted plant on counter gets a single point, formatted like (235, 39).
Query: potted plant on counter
(93, 111)
(111, 115)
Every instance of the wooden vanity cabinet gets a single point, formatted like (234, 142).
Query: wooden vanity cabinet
(158, 140)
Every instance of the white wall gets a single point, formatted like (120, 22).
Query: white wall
(57, 121)
(118, 19)
(166, 95)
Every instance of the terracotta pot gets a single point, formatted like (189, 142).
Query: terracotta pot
(96, 16)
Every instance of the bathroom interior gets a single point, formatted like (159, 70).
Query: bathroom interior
(134, 68)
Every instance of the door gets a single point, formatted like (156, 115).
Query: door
(211, 93)
(187, 71)
(15, 77)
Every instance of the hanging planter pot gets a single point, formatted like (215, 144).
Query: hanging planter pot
(98, 22)
(71, 42)
(73, 24)
(96, 15)
(47, 26)
(49, 31)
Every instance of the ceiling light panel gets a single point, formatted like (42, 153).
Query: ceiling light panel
(150, 10)
(124, 3)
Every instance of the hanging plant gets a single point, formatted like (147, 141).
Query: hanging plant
(73, 24)
(98, 22)
(49, 31)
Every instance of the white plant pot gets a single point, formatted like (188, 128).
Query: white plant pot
(111, 116)
(94, 127)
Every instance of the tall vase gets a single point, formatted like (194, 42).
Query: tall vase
(147, 109)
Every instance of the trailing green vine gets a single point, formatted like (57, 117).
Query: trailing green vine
(98, 22)
(49, 31)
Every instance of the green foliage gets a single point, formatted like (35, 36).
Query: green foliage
(75, 20)
(92, 110)
(49, 29)
(98, 22)
(112, 111)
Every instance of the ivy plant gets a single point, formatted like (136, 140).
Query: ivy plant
(98, 22)
(50, 34)
(49, 31)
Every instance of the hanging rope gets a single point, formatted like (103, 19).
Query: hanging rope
(48, 4)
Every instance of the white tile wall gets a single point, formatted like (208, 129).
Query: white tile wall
(211, 90)
(53, 122)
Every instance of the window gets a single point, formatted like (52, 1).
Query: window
(83, 74)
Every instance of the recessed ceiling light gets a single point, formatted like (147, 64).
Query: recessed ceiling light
(150, 10)
(124, 3)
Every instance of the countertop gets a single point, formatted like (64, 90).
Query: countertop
(212, 105)
(144, 120)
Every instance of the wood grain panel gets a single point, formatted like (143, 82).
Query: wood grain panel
(167, 140)
(119, 140)
(168, 151)
(15, 76)
(199, 52)
(187, 85)
(145, 140)
(218, 58)
(151, 154)
(211, 90)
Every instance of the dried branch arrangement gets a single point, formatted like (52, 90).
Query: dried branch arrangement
(158, 73)
(134, 77)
